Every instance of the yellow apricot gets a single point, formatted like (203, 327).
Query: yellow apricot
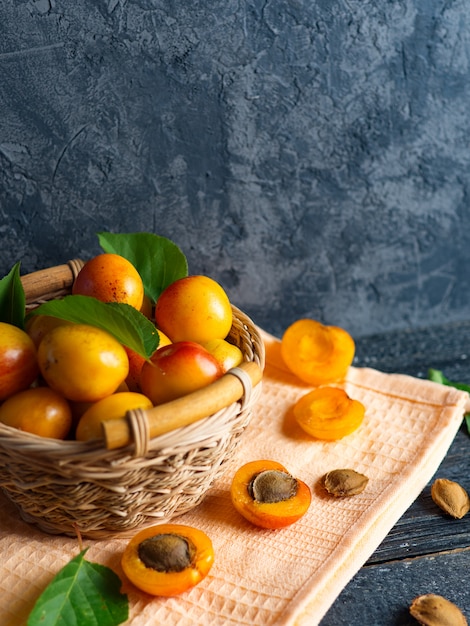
(82, 362)
(224, 352)
(111, 407)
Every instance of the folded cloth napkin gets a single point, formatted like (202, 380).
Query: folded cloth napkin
(280, 577)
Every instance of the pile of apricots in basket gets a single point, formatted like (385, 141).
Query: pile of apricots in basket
(59, 377)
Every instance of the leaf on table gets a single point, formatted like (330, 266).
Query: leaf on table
(438, 377)
(124, 322)
(81, 594)
(12, 298)
(158, 260)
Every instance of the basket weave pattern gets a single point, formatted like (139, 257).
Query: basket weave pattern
(68, 486)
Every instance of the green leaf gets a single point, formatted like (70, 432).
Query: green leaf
(438, 377)
(158, 260)
(123, 321)
(81, 594)
(12, 298)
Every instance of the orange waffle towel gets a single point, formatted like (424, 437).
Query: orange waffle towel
(284, 577)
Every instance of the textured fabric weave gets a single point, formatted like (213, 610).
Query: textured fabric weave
(285, 577)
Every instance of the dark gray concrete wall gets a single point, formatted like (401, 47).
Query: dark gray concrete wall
(312, 156)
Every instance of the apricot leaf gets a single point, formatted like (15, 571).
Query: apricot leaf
(438, 377)
(123, 321)
(82, 593)
(158, 260)
(12, 298)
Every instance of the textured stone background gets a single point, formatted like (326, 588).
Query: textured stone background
(311, 156)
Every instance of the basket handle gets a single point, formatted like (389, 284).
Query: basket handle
(182, 411)
(51, 281)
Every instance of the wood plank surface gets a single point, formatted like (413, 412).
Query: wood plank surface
(426, 551)
(380, 595)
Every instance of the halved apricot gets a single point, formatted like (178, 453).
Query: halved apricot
(168, 559)
(316, 353)
(268, 496)
(328, 413)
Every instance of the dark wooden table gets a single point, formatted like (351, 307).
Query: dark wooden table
(426, 551)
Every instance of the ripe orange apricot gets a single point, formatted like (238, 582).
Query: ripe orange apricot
(176, 370)
(112, 407)
(110, 278)
(18, 360)
(39, 410)
(328, 413)
(316, 353)
(268, 496)
(82, 362)
(194, 308)
(225, 353)
(168, 559)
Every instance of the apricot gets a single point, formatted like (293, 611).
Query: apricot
(328, 413)
(110, 278)
(18, 360)
(79, 408)
(168, 559)
(82, 362)
(40, 411)
(194, 308)
(225, 353)
(265, 494)
(176, 370)
(315, 353)
(111, 407)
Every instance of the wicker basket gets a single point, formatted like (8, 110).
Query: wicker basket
(69, 487)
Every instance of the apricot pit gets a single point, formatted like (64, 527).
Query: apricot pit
(273, 486)
(344, 482)
(167, 552)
